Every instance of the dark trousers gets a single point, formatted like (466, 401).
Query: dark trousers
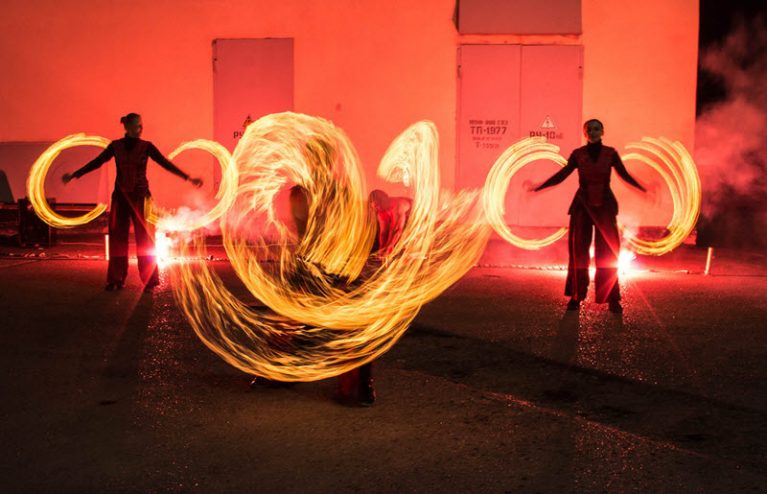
(600, 223)
(127, 207)
(352, 384)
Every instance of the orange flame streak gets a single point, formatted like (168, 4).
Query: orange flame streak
(510, 162)
(36, 182)
(341, 324)
(675, 165)
(170, 222)
(670, 159)
(331, 310)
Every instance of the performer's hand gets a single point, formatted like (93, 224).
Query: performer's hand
(197, 182)
(66, 178)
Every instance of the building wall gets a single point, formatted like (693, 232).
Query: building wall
(371, 67)
(640, 79)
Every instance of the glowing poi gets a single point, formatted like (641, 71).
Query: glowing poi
(675, 165)
(36, 182)
(329, 310)
(670, 159)
(166, 221)
(515, 157)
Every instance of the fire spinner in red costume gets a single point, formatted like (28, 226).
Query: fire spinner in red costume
(593, 213)
(392, 214)
(131, 191)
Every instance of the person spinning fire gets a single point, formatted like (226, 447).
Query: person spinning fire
(593, 211)
(355, 387)
(392, 214)
(131, 190)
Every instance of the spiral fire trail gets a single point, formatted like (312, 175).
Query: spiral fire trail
(332, 309)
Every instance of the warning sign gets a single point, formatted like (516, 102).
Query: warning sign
(547, 129)
(239, 133)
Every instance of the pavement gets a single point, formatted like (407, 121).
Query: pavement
(494, 388)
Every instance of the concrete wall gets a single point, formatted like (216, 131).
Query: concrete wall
(371, 67)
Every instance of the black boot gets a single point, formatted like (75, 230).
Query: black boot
(573, 304)
(366, 394)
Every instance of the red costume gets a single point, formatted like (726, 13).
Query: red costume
(392, 214)
(131, 190)
(593, 212)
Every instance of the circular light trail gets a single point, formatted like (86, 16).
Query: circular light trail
(169, 222)
(326, 307)
(36, 182)
(675, 165)
(493, 194)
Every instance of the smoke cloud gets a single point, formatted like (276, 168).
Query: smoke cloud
(731, 140)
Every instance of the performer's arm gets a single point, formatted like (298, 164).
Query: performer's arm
(620, 168)
(105, 155)
(384, 230)
(164, 162)
(560, 176)
(403, 211)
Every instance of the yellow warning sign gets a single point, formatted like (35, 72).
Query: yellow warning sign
(548, 123)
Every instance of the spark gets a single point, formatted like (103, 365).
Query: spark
(189, 220)
(626, 262)
(162, 248)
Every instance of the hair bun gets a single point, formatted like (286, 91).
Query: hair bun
(130, 117)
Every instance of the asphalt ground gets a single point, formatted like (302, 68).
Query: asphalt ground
(494, 388)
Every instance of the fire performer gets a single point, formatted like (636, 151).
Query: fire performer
(593, 209)
(131, 190)
(355, 386)
(392, 214)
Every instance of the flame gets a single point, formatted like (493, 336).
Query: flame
(189, 220)
(510, 162)
(331, 310)
(36, 182)
(677, 168)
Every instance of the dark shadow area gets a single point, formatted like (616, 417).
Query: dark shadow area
(566, 344)
(688, 421)
(123, 359)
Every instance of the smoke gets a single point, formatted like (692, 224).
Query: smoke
(731, 140)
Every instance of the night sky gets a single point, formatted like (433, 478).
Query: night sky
(717, 19)
(731, 110)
